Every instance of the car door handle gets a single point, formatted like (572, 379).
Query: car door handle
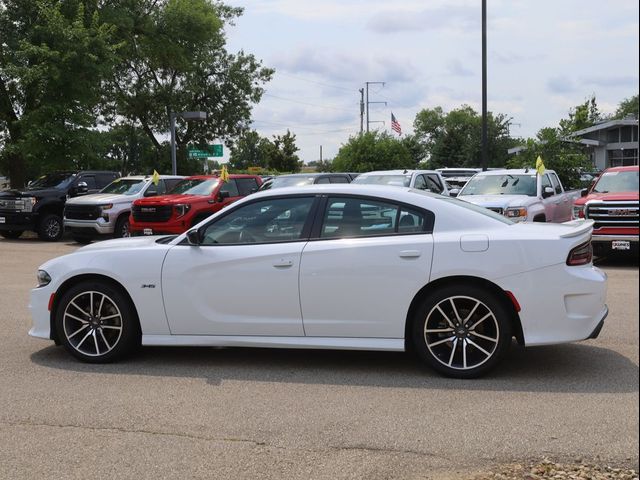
(410, 253)
(283, 263)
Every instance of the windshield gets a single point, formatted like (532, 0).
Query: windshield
(127, 186)
(476, 208)
(617, 182)
(396, 180)
(501, 185)
(280, 182)
(195, 186)
(52, 180)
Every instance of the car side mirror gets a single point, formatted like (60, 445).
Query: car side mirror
(193, 237)
(454, 192)
(584, 192)
(223, 195)
(547, 192)
(81, 189)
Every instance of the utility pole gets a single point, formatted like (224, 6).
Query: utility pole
(485, 146)
(368, 102)
(320, 153)
(361, 109)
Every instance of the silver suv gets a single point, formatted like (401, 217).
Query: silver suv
(107, 213)
(428, 180)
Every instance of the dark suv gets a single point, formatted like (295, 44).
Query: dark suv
(39, 207)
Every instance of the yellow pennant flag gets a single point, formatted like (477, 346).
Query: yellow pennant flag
(539, 165)
(155, 178)
(224, 174)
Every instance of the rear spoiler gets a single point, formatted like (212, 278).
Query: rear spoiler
(580, 227)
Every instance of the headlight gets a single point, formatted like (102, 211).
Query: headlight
(578, 211)
(26, 204)
(517, 214)
(182, 209)
(43, 278)
(106, 206)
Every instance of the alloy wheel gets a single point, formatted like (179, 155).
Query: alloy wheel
(461, 332)
(92, 323)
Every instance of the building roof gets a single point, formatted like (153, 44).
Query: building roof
(606, 126)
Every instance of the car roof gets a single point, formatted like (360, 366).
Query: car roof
(628, 168)
(397, 172)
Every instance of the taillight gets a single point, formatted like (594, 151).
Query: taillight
(581, 255)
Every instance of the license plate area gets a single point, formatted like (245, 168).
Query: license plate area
(147, 231)
(3, 220)
(620, 245)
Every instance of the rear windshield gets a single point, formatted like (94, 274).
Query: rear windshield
(396, 180)
(501, 185)
(124, 186)
(52, 180)
(280, 182)
(196, 186)
(617, 182)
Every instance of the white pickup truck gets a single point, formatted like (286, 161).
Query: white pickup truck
(521, 195)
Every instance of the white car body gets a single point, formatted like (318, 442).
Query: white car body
(553, 205)
(349, 293)
(418, 179)
(105, 223)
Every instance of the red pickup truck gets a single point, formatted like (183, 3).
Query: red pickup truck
(612, 203)
(188, 203)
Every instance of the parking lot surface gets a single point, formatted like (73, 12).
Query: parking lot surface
(260, 413)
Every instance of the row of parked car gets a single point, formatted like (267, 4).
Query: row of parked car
(169, 204)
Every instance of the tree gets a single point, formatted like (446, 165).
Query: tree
(372, 151)
(454, 139)
(581, 116)
(281, 153)
(250, 150)
(173, 59)
(628, 106)
(53, 56)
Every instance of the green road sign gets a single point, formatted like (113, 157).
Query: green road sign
(208, 151)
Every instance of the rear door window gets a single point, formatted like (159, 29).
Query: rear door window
(246, 186)
(230, 187)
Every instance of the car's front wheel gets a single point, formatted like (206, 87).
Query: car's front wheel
(96, 322)
(461, 331)
(51, 228)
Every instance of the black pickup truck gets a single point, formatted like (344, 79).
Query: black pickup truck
(39, 207)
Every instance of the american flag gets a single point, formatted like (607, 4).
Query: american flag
(395, 126)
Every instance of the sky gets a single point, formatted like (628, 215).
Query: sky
(543, 58)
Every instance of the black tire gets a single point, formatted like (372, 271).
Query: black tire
(466, 349)
(104, 334)
(11, 234)
(540, 218)
(122, 227)
(50, 228)
(82, 240)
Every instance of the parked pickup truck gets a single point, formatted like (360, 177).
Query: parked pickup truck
(39, 207)
(106, 214)
(189, 202)
(520, 195)
(612, 203)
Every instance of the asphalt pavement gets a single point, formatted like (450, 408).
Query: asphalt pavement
(280, 414)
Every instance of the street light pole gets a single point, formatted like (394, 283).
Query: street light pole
(196, 116)
(172, 126)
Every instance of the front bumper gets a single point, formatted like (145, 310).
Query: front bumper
(40, 315)
(611, 238)
(89, 227)
(12, 220)
(159, 228)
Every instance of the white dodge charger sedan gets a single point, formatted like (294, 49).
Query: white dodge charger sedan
(335, 267)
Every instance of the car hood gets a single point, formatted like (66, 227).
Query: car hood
(100, 198)
(168, 199)
(48, 192)
(609, 197)
(497, 201)
(122, 243)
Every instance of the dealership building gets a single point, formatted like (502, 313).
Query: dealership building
(613, 143)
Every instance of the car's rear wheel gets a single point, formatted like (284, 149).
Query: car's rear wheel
(96, 322)
(461, 331)
(11, 234)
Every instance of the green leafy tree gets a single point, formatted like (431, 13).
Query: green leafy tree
(373, 151)
(454, 139)
(628, 106)
(173, 59)
(53, 57)
(250, 150)
(281, 153)
(581, 116)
